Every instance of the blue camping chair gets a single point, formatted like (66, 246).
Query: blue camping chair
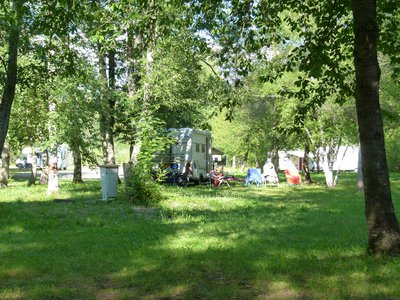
(254, 177)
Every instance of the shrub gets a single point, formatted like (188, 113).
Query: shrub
(141, 187)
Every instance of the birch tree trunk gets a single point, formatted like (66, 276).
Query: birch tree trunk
(328, 172)
(106, 118)
(5, 165)
(307, 175)
(382, 224)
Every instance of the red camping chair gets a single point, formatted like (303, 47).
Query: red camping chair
(292, 176)
(218, 179)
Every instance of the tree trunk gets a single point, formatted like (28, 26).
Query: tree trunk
(106, 118)
(340, 164)
(5, 166)
(77, 178)
(307, 174)
(274, 155)
(328, 173)
(134, 52)
(32, 179)
(44, 177)
(147, 92)
(382, 224)
(11, 77)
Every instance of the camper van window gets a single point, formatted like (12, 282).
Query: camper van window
(197, 147)
(203, 148)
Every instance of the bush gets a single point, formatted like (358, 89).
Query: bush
(141, 187)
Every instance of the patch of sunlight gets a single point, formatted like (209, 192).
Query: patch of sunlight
(359, 276)
(108, 294)
(21, 247)
(133, 269)
(12, 229)
(171, 292)
(188, 241)
(12, 294)
(359, 285)
(335, 252)
(279, 290)
(201, 204)
(16, 272)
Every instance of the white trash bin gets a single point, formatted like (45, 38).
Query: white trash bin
(109, 181)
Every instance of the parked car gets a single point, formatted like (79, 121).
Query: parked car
(22, 163)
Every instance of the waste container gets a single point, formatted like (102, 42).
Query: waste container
(109, 181)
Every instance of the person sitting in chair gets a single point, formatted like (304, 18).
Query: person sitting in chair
(188, 169)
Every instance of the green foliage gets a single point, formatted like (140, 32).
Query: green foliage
(392, 141)
(75, 114)
(389, 35)
(141, 188)
(179, 83)
(153, 139)
(390, 95)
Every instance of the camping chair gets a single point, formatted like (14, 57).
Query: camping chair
(269, 174)
(254, 177)
(218, 179)
(292, 176)
(271, 180)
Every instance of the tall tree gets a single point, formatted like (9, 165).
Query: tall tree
(76, 110)
(325, 43)
(383, 227)
(14, 17)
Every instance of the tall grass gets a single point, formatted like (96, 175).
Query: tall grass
(199, 243)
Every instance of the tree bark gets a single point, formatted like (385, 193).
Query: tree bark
(382, 224)
(44, 177)
(5, 166)
(106, 118)
(307, 174)
(77, 178)
(147, 93)
(328, 172)
(32, 179)
(11, 77)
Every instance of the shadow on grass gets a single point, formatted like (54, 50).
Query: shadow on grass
(234, 243)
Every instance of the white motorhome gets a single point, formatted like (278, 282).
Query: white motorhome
(192, 146)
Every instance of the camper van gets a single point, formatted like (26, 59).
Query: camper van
(192, 147)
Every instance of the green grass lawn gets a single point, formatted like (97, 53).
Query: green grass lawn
(200, 243)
